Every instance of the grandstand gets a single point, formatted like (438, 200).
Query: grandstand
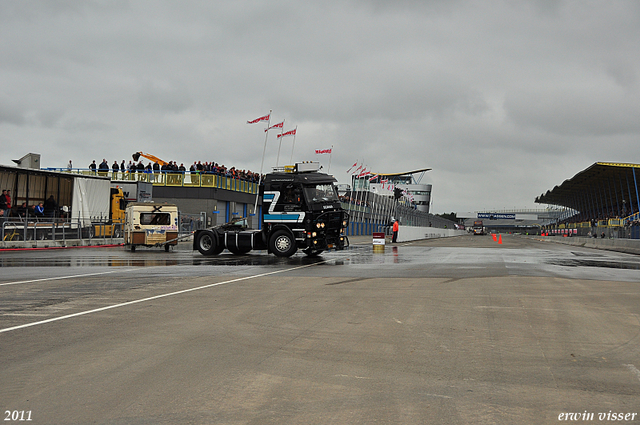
(600, 200)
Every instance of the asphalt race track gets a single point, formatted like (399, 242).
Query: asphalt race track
(450, 331)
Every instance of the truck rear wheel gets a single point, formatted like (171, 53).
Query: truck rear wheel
(207, 243)
(282, 244)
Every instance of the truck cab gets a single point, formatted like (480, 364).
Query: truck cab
(300, 210)
(478, 228)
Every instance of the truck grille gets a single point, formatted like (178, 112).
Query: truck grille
(332, 219)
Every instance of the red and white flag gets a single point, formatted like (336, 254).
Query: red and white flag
(265, 118)
(354, 164)
(322, 151)
(288, 133)
(357, 169)
(373, 176)
(364, 173)
(279, 125)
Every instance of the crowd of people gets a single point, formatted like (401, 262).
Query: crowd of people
(46, 208)
(198, 167)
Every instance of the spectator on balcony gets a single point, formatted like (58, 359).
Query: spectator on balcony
(103, 168)
(22, 210)
(3, 203)
(38, 210)
(50, 206)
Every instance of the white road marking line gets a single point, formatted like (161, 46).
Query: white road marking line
(64, 277)
(184, 291)
(352, 376)
(633, 370)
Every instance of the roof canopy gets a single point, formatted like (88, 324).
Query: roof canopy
(604, 189)
(406, 173)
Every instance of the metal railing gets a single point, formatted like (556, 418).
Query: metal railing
(172, 179)
(27, 231)
(191, 222)
(43, 231)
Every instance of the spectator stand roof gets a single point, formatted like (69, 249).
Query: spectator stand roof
(602, 190)
(407, 175)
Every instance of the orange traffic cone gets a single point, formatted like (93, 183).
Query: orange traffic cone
(500, 240)
(495, 239)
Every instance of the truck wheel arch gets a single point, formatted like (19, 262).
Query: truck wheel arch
(282, 243)
(207, 242)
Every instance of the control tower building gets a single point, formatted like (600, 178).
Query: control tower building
(409, 181)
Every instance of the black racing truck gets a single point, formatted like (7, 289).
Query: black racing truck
(300, 210)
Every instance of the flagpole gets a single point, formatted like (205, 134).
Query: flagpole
(264, 150)
(358, 193)
(351, 196)
(294, 143)
(330, 153)
(366, 198)
(280, 145)
(366, 186)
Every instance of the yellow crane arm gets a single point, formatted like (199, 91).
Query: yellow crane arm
(136, 156)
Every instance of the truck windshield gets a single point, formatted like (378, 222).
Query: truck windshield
(321, 193)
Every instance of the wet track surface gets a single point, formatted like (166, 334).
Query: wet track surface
(434, 255)
(459, 330)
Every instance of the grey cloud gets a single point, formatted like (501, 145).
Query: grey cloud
(573, 112)
(480, 91)
(624, 73)
(9, 114)
(164, 97)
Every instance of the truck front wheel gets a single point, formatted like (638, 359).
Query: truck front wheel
(207, 243)
(282, 244)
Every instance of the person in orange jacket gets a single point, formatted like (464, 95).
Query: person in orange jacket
(396, 226)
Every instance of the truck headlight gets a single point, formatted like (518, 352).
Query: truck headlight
(314, 234)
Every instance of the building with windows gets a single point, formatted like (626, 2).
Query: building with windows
(409, 182)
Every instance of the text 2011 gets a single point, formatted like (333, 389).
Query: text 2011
(17, 415)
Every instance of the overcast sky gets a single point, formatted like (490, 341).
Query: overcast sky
(502, 99)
